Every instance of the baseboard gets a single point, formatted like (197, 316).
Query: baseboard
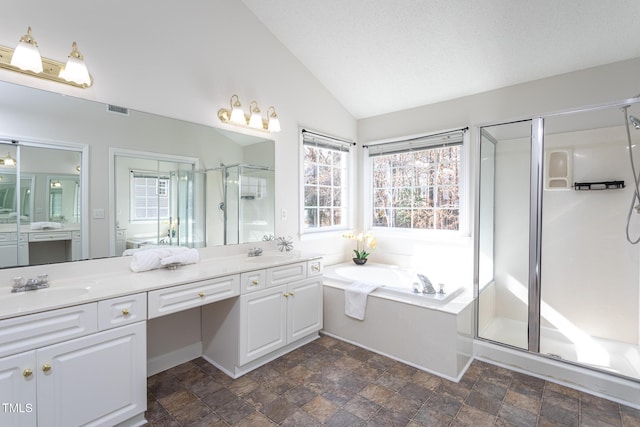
(169, 360)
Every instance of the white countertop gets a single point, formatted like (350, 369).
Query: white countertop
(26, 228)
(80, 282)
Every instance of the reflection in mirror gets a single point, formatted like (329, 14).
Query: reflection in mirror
(158, 202)
(40, 218)
(45, 116)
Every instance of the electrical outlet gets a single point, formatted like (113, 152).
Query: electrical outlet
(98, 214)
(283, 214)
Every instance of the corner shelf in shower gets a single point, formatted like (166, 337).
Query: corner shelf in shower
(602, 185)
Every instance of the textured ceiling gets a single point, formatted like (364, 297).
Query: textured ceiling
(380, 56)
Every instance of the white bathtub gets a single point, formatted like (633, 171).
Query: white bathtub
(394, 282)
(430, 332)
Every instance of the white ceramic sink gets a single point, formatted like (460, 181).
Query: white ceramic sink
(24, 300)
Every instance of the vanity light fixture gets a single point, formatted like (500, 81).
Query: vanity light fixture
(26, 59)
(56, 184)
(254, 120)
(8, 161)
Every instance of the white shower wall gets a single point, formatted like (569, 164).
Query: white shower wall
(590, 274)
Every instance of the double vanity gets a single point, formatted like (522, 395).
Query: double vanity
(76, 353)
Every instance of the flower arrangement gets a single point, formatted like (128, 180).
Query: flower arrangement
(364, 241)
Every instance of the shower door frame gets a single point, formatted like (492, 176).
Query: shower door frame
(535, 225)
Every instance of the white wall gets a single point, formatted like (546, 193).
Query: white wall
(182, 61)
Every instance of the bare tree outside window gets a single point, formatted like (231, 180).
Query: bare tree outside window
(417, 189)
(325, 189)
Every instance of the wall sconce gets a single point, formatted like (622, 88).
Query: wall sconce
(56, 184)
(254, 120)
(7, 161)
(26, 59)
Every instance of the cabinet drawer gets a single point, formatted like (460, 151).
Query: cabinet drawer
(183, 297)
(314, 268)
(252, 281)
(48, 236)
(36, 330)
(286, 273)
(122, 311)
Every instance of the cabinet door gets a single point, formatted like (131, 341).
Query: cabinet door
(18, 390)
(95, 380)
(305, 308)
(263, 323)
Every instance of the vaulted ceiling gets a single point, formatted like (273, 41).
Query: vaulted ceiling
(380, 56)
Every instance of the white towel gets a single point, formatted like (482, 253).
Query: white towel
(355, 299)
(160, 257)
(45, 225)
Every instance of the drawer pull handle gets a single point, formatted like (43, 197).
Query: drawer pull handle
(255, 281)
(27, 373)
(315, 267)
(46, 367)
(201, 294)
(291, 294)
(125, 312)
(286, 295)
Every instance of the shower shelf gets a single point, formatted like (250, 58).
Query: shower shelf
(603, 185)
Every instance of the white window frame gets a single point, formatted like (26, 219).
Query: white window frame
(464, 227)
(132, 194)
(349, 198)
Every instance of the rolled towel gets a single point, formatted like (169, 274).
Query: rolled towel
(187, 256)
(160, 257)
(355, 299)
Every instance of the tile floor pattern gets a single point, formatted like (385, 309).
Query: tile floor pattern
(332, 383)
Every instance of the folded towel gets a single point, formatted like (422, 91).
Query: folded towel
(161, 257)
(45, 225)
(355, 299)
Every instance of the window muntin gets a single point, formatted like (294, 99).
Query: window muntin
(149, 197)
(417, 188)
(325, 179)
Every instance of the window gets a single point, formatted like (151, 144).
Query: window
(150, 196)
(325, 166)
(416, 183)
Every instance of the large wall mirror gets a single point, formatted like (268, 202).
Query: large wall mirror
(223, 194)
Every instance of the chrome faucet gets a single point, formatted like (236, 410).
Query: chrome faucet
(427, 287)
(19, 284)
(255, 252)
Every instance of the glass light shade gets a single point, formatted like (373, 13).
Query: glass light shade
(8, 161)
(274, 124)
(237, 116)
(256, 120)
(26, 56)
(76, 71)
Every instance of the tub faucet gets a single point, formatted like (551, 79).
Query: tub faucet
(427, 287)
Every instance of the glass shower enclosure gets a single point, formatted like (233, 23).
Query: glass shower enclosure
(556, 273)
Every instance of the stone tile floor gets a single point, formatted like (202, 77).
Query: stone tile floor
(332, 383)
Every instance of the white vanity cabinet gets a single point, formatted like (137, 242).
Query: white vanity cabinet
(267, 323)
(56, 369)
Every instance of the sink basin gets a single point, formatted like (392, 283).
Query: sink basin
(24, 300)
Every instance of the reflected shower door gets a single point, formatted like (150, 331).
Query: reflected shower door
(504, 232)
